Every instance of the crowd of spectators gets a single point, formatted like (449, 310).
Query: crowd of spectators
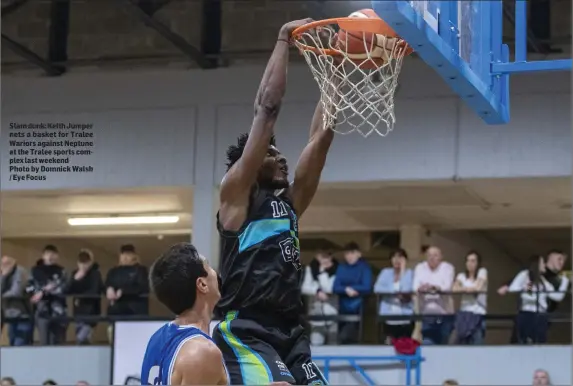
(417, 303)
(38, 299)
(428, 290)
(9, 381)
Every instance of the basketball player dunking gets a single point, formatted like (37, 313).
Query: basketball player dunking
(182, 352)
(261, 337)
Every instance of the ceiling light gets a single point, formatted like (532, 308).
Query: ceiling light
(124, 220)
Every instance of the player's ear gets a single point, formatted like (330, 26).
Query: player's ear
(202, 284)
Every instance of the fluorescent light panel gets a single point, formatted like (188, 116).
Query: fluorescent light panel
(124, 220)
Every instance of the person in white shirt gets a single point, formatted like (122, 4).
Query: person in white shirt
(535, 289)
(317, 284)
(430, 278)
(470, 322)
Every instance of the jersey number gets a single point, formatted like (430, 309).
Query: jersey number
(309, 370)
(154, 378)
(279, 209)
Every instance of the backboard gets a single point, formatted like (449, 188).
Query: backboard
(462, 41)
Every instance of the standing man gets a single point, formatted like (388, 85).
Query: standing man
(261, 337)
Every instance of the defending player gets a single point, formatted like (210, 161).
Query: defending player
(262, 338)
(182, 352)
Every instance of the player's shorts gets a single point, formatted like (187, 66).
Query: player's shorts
(259, 353)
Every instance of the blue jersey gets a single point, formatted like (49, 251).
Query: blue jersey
(162, 351)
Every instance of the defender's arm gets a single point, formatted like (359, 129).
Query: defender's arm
(311, 163)
(235, 187)
(199, 362)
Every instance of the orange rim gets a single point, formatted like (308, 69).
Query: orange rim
(354, 24)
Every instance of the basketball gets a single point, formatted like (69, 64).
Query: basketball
(369, 50)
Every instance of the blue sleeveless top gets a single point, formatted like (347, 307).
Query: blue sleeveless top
(162, 351)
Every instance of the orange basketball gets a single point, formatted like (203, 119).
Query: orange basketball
(361, 46)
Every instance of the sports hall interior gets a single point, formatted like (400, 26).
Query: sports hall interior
(165, 105)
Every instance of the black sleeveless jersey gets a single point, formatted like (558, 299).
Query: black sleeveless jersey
(260, 263)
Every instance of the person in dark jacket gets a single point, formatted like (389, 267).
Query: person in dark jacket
(127, 285)
(353, 281)
(86, 281)
(46, 285)
(15, 306)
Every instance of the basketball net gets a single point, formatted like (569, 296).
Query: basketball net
(353, 98)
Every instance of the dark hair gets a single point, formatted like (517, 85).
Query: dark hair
(85, 256)
(50, 248)
(534, 273)
(235, 152)
(173, 277)
(49, 382)
(127, 248)
(424, 248)
(553, 252)
(351, 246)
(10, 380)
(399, 252)
(478, 259)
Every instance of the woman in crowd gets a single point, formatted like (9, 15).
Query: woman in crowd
(470, 322)
(396, 280)
(317, 284)
(535, 289)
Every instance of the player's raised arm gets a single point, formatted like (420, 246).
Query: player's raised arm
(236, 186)
(199, 362)
(311, 162)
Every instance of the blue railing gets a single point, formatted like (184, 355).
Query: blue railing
(411, 362)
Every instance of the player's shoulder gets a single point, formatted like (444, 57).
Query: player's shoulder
(198, 351)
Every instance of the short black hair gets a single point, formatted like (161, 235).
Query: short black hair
(351, 246)
(127, 248)
(49, 382)
(8, 380)
(173, 277)
(234, 152)
(400, 252)
(50, 248)
(85, 256)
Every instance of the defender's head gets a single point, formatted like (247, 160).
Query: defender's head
(273, 173)
(182, 279)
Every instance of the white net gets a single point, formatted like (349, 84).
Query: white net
(356, 95)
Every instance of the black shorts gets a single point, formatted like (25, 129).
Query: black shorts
(257, 354)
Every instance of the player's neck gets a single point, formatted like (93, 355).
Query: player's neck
(198, 317)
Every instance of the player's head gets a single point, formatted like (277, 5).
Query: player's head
(541, 378)
(182, 279)
(273, 173)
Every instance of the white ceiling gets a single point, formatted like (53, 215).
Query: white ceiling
(476, 204)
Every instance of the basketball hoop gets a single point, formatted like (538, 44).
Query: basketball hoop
(355, 89)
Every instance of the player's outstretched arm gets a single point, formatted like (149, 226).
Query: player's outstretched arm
(236, 185)
(311, 162)
(199, 362)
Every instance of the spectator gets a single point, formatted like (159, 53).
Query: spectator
(353, 281)
(541, 378)
(86, 281)
(450, 382)
(82, 383)
(397, 279)
(7, 381)
(470, 320)
(318, 282)
(555, 260)
(49, 382)
(430, 278)
(47, 284)
(532, 321)
(14, 304)
(127, 286)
